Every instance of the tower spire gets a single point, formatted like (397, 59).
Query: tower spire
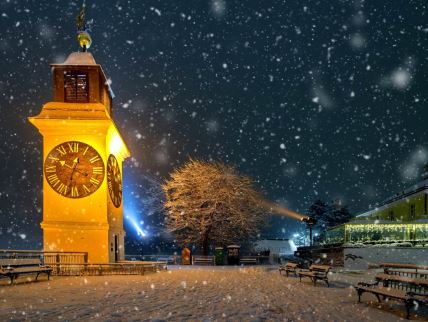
(83, 36)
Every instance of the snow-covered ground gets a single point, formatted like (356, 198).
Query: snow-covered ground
(191, 293)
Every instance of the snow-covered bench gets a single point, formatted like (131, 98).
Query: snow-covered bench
(167, 259)
(409, 270)
(203, 260)
(13, 268)
(289, 268)
(250, 260)
(316, 272)
(402, 288)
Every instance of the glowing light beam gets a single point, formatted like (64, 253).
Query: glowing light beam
(138, 229)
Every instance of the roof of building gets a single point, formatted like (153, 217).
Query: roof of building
(415, 189)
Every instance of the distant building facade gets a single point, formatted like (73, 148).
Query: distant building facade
(401, 218)
(279, 247)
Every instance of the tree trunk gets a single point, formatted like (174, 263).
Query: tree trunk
(205, 247)
(205, 244)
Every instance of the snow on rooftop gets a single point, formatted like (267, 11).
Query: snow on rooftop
(80, 58)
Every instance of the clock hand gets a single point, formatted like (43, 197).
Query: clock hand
(75, 162)
(65, 164)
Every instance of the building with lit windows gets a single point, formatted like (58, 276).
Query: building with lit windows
(401, 218)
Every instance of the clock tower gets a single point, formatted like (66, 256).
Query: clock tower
(83, 153)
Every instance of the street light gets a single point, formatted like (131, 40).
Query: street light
(310, 222)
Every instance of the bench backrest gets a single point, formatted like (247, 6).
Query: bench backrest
(406, 272)
(203, 259)
(406, 266)
(19, 262)
(324, 269)
(404, 283)
(291, 265)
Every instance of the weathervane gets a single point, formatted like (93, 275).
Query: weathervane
(83, 36)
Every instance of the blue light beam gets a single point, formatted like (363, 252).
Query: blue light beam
(138, 229)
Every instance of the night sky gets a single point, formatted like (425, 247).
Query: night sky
(313, 99)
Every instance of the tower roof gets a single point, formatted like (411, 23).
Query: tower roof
(79, 58)
(84, 59)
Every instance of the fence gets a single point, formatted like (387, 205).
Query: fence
(76, 263)
(170, 259)
(176, 259)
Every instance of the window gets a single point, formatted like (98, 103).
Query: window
(76, 87)
(412, 215)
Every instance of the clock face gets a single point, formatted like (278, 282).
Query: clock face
(114, 181)
(74, 169)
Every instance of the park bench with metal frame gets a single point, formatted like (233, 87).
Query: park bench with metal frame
(289, 268)
(402, 288)
(13, 268)
(315, 273)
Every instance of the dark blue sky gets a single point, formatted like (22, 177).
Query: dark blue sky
(313, 99)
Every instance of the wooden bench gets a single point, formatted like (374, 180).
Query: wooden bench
(250, 260)
(316, 272)
(403, 266)
(13, 268)
(409, 270)
(289, 268)
(203, 260)
(402, 288)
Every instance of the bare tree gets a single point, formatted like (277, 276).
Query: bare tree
(209, 202)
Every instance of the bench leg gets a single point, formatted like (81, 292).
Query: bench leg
(378, 298)
(37, 276)
(328, 285)
(314, 280)
(11, 279)
(49, 275)
(409, 304)
(360, 292)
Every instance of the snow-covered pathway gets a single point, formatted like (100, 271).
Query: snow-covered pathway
(237, 294)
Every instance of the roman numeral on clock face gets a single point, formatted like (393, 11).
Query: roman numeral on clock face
(94, 159)
(73, 146)
(51, 168)
(62, 189)
(74, 192)
(61, 150)
(97, 170)
(94, 181)
(86, 189)
(53, 159)
(53, 180)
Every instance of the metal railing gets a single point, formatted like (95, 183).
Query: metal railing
(46, 257)
(76, 263)
(121, 268)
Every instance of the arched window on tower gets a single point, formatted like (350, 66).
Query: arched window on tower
(76, 87)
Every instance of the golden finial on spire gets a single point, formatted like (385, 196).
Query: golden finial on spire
(83, 36)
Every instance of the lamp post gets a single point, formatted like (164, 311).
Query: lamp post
(310, 222)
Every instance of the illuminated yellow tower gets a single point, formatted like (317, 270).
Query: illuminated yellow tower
(83, 153)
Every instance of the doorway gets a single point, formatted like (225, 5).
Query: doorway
(116, 250)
